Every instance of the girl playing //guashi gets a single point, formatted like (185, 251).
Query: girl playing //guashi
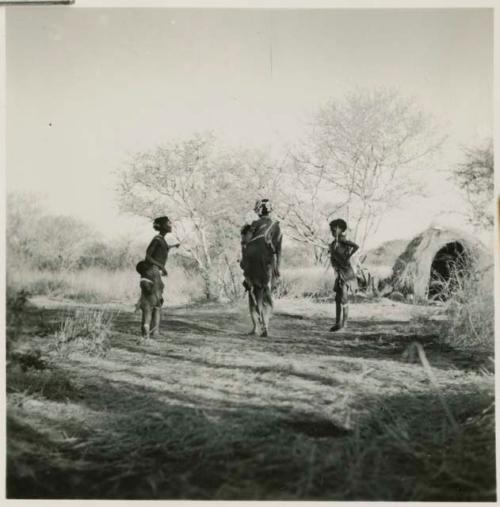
(151, 270)
(341, 250)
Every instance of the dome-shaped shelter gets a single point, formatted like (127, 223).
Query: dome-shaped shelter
(429, 260)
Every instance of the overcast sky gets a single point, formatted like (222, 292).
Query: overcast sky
(87, 87)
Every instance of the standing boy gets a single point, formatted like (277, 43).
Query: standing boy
(341, 250)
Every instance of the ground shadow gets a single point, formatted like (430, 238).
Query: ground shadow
(146, 448)
(167, 450)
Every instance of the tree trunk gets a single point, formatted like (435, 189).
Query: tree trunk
(210, 284)
(319, 255)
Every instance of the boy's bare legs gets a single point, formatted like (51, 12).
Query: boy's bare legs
(345, 314)
(338, 317)
(341, 315)
(341, 306)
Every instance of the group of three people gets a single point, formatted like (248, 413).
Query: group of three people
(261, 259)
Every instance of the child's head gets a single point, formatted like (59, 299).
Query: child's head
(338, 226)
(142, 267)
(162, 224)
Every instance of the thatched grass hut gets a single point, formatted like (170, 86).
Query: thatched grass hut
(431, 256)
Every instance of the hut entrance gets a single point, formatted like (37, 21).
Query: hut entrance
(447, 269)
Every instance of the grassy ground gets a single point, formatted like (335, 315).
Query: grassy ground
(206, 412)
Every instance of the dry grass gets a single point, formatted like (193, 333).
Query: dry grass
(317, 282)
(87, 331)
(208, 413)
(470, 306)
(404, 451)
(435, 460)
(47, 383)
(313, 282)
(95, 285)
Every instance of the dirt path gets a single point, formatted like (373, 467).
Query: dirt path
(215, 397)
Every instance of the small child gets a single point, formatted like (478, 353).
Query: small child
(341, 250)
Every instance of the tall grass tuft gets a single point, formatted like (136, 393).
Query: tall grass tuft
(87, 331)
(470, 306)
(409, 450)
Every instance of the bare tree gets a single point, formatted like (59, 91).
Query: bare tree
(475, 177)
(206, 190)
(304, 209)
(363, 156)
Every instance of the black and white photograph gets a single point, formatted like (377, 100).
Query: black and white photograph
(249, 253)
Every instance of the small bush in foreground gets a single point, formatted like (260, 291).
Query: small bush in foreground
(86, 331)
(413, 453)
(470, 306)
